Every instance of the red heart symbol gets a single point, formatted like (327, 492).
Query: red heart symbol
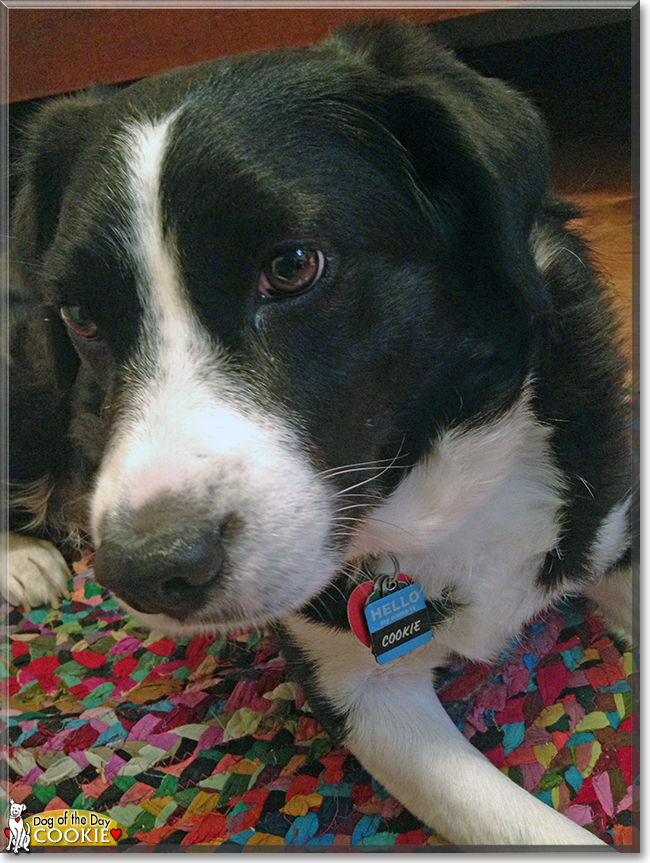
(17, 819)
(356, 605)
(116, 833)
(7, 832)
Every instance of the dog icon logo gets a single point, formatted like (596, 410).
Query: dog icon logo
(18, 833)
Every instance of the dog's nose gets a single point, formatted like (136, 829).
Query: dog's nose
(160, 563)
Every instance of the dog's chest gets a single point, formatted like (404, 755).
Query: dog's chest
(473, 523)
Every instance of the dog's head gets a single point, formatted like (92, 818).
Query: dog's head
(16, 809)
(282, 275)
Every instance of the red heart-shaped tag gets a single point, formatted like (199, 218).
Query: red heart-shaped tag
(356, 605)
(17, 820)
(116, 833)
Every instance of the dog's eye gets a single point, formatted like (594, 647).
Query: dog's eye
(77, 321)
(291, 272)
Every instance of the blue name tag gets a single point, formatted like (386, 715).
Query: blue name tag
(398, 623)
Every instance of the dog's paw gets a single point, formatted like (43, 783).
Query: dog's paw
(37, 574)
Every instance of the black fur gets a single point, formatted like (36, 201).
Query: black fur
(452, 285)
(331, 606)
(303, 671)
(580, 386)
(415, 174)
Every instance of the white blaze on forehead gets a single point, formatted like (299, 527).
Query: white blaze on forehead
(183, 411)
(166, 310)
(189, 428)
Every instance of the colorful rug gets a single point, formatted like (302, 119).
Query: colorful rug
(204, 742)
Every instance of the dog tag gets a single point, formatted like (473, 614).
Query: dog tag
(362, 594)
(398, 623)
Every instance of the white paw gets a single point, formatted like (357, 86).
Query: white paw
(37, 574)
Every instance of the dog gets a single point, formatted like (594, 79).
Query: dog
(301, 322)
(19, 832)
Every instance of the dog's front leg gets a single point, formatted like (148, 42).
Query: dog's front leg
(392, 721)
(36, 572)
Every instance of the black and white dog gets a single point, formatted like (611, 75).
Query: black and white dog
(279, 317)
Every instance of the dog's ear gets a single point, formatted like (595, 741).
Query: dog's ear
(43, 365)
(473, 142)
(51, 145)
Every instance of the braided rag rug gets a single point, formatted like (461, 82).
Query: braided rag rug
(204, 742)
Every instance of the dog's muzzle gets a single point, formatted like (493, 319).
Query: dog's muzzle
(161, 559)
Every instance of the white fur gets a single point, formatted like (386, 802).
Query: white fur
(478, 514)
(464, 470)
(476, 518)
(546, 248)
(37, 574)
(612, 538)
(613, 591)
(402, 735)
(189, 428)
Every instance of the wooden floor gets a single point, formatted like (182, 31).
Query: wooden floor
(597, 177)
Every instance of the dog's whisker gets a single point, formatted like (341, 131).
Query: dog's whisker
(360, 465)
(391, 466)
(587, 485)
(389, 524)
(369, 479)
(367, 496)
(351, 468)
(350, 506)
